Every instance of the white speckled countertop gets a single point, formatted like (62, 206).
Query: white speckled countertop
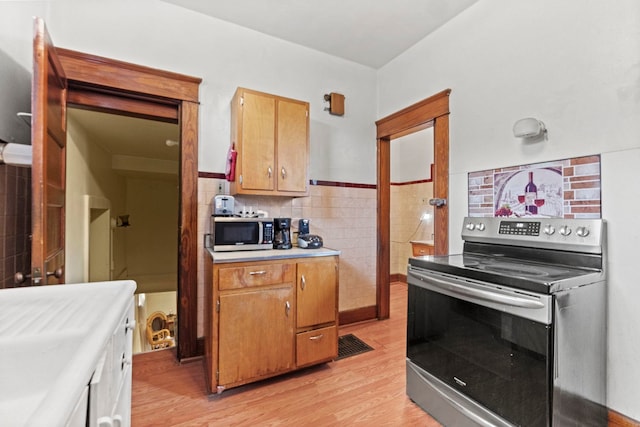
(270, 254)
(51, 338)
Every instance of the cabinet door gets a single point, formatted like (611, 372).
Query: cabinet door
(316, 292)
(257, 147)
(292, 146)
(256, 335)
(420, 249)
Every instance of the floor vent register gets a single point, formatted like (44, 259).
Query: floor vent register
(350, 345)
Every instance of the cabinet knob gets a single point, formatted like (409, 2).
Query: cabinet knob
(269, 171)
(303, 282)
(283, 172)
(287, 308)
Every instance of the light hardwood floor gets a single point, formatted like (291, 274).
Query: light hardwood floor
(365, 389)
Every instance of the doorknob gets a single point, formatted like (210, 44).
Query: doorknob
(19, 278)
(437, 202)
(57, 273)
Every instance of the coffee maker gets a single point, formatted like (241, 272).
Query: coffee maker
(282, 233)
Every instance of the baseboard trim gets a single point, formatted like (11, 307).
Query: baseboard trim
(616, 419)
(398, 278)
(358, 315)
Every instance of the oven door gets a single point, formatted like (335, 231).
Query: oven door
(491, 344)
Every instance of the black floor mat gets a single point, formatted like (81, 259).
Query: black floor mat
(350, 345)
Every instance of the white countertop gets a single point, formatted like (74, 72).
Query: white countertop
(51, 338)
(270, 254)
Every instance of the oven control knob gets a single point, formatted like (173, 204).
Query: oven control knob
(470, 226)
(582, 231)
(549, 229)
(565, 230)
(480, 227)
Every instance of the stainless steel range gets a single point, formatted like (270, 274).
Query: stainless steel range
(513, 330)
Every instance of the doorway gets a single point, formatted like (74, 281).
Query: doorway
(430, 112)
(126, 169)
(108, 85)
(411, 215)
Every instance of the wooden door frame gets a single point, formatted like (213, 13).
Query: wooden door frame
(430, 112)
(108, 85)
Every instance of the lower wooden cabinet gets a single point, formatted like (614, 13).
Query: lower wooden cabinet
(422, 248)
(255, 334)
(316, 345)
(266, 318)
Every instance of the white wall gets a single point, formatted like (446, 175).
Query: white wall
(226, 56)
(88, 173)
(151, 241)
(412, 156)
(573, 64)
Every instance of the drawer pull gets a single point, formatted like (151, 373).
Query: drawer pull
(303, 282)
(317, 337)
(287, 308)
(258, 273)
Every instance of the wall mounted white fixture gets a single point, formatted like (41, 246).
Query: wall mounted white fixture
(528, 128)
(15, 154)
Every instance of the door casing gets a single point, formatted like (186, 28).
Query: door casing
(430, 112)
(112, 86)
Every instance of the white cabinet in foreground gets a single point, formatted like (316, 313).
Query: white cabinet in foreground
(65, 354)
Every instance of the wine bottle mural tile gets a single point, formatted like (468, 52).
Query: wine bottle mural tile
(567, 188)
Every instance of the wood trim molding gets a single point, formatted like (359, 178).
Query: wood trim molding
(93, 70)
(415, 117)
(430, 111)
(113, 103)
(111, 85)
(616, 419)
(361, 314)
(398, 278)
(188, 227)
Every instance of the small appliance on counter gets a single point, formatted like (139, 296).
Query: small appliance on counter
(282, 233)
(306, 240)
(240, 234)
(223, 205)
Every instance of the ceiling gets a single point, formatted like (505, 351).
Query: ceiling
(141, 139)
(369, 32)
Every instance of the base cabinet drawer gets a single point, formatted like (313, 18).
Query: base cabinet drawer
(422, 249)
(316, 345)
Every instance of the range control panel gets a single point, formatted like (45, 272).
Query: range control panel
(584, 235)
(519, 228)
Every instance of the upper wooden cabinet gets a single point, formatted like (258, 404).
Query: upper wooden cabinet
(271, 135)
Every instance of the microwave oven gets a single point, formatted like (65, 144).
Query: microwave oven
(241, 234)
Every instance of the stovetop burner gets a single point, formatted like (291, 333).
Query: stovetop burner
(544, 261)
(518, 270)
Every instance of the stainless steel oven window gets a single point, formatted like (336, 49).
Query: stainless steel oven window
(480, 348)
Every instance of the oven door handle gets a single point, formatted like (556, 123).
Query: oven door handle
(482, 294)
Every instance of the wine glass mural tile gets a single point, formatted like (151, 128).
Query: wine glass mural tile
(567, 188)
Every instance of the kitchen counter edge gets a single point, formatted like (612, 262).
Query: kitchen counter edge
(269, 254)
